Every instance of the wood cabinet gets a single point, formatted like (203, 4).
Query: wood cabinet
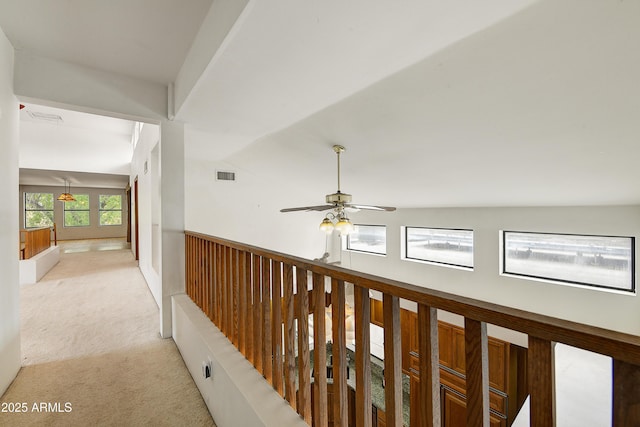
(507, 376)
(454, 411)
(507, 371)
(377, 317)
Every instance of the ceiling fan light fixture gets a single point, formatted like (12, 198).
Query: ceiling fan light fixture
(344, 226)
(327, 225)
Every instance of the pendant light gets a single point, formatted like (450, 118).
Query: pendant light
(67, 196)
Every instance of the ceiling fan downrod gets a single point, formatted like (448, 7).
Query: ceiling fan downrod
(338, 149)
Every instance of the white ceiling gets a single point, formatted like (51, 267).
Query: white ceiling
(147, 39)
(86, 149)
(496, 103)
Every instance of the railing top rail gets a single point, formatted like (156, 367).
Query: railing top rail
(616, 344)
(28, 230)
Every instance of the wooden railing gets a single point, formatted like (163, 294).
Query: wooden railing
(35, 240)
(248, 292)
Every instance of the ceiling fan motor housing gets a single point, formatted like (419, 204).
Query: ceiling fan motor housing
(338, 198)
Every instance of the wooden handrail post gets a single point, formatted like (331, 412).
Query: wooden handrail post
(248, 337)
(257, 318)
(363, 356)
(321, 408)
(626, 394)
(477, 372)
(392, 360)
(339, 353)
(429, 410)
(289, 338)
(267, 350)
(541, 377)
(304, 365)
(276, 325)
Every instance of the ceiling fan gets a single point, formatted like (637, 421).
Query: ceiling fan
(338, 202)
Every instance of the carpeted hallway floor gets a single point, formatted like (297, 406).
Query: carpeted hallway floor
(91, 351)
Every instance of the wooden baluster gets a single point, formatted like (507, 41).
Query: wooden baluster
(196, 282)
(187, 265)
(225, 291)
(217, 292)
(339, 353)
(229, 287)
(221, 288)
(201, 267)
(304, 365)
(320, 405)
(250, 351)
(289, 338)
(276, 325)
(392, 360)
(242, 304)
(236, 296)
(267, 359)
(257, 314)
(201, 276)
(205, 277)
(429, 411)
(541, 377)
(626, 394)
(363, 356)
(477, 372)
(211, 281)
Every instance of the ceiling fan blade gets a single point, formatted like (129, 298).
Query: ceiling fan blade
(309, 208)
(370, 208)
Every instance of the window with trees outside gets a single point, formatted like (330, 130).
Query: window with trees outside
(110, 209)
(38, 210)
(368, 238)
(76, 214)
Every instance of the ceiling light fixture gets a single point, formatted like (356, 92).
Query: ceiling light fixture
(66, 196)
(338, 221)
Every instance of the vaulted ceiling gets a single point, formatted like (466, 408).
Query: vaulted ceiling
(498, 103)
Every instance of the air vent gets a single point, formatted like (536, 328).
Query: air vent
(225, 176)
(36, 115)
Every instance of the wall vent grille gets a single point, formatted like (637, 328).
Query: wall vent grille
(225, 176)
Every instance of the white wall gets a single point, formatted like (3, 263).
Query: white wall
(161, 213)
(172, 178)
(596, 307)
(9, 287)
(246, 210)
(142, 169)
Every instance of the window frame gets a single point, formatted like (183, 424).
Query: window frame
(100, 210)
(348, 240)
(25, 209)
(436, 262)
(88, 209)
(561, 281)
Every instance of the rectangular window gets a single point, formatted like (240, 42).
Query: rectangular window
(368, 238)
(110, 209)
(38, 210)
(76, 214)
(600, 261)
(440, 245)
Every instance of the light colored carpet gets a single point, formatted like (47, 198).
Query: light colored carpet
(92, 352)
